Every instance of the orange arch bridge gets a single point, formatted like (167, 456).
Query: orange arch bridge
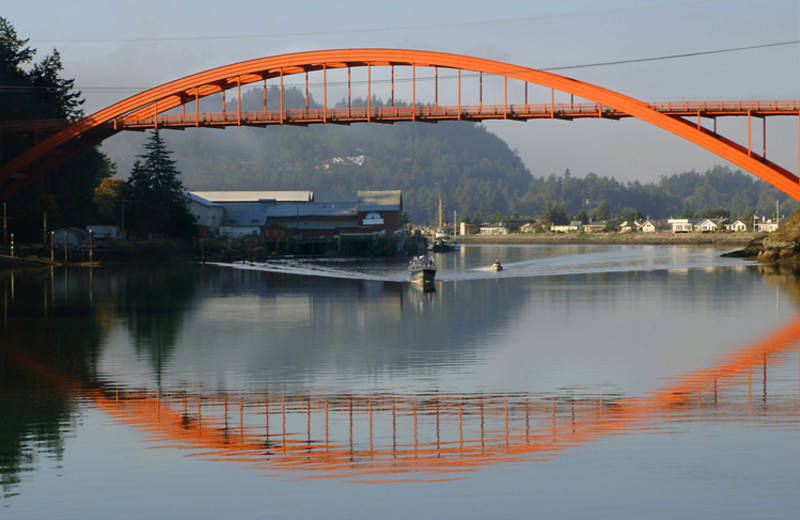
(166, 106)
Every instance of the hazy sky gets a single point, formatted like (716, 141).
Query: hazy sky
(116, 48)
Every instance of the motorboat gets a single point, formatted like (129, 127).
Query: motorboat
(443, 246)
(422, 269)
(497, 266)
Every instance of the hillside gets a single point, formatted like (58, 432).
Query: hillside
(474, 170)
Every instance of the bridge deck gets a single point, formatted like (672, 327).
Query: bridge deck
(424, 113)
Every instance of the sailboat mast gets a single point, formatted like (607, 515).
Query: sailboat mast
(440, 212)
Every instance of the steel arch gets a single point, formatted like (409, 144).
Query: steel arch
(100, 125)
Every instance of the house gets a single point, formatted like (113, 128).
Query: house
(72, 236)
(565, 228)
(706, 225)
(649, 226)
(767, 225)
(493, 230)
(595, 227)
(680, 225)
(629, 226)
(531, 227)
(103, 232)
(734, 225)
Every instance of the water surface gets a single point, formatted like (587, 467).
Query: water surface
(579, 382)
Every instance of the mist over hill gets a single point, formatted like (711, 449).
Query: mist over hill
(474, 170)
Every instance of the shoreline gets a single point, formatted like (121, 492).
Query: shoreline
(740, 240)
(178, 252)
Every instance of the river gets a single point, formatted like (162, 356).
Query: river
(600, 381)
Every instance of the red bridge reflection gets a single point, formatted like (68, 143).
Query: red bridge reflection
(438, 436)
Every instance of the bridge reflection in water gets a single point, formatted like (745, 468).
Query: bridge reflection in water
(437, 436)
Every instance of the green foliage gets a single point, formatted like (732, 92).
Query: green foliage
(716, 213)
(154, 197)
(108, 200)
(555, 214)
(602, 212)
(36, 91)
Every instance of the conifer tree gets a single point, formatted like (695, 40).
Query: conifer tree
(31, 91)
(155, 199)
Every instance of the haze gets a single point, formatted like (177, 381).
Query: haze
(116, 49)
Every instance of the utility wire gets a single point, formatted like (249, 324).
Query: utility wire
(9, 88)
(672, 56)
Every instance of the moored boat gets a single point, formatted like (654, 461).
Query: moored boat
(422, 269)
(443, 246)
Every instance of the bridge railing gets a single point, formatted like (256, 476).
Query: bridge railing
(353, 114)
(727, 106)
(571, 110)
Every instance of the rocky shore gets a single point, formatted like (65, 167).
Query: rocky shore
(782, 247)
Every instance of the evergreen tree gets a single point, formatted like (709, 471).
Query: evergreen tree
(155, 201)
(602, 212)
(36, 91)
(555, 214)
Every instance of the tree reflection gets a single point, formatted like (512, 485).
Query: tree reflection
(49, 327)
(153, 300)
(54, 325)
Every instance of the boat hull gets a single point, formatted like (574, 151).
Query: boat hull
(423, 275)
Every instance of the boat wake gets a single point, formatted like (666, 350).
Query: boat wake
(332, 269)
(561, 265)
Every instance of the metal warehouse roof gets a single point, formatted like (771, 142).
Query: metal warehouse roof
(256, 196)
(257, 213)
(194, 197)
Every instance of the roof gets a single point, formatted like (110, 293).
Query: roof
(194, 197)
(380, 200)
(257, 213)
(255, 196)
(310, 209)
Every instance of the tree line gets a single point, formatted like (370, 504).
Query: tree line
(476, 172)
(80, 191)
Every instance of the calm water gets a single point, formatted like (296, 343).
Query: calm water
(580, 382)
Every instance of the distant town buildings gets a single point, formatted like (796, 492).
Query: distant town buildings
(674, 225)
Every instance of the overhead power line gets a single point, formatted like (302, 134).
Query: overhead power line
(672, 56)
(10, 89)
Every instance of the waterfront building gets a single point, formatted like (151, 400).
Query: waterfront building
(280, 215)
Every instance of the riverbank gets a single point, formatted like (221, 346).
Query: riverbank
(734, 240)
(166, 251)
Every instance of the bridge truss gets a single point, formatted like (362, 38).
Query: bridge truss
(177, 104)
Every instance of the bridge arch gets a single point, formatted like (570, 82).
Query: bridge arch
(91, 130)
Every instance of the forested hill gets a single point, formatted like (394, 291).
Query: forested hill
(474, 170)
